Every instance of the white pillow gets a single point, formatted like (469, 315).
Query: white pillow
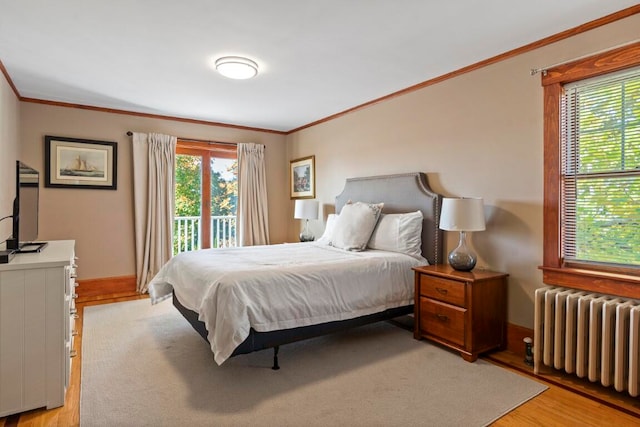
(325, 239)
(399, 233)
(355, 224)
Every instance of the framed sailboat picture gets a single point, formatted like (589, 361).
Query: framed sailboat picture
(80, 163)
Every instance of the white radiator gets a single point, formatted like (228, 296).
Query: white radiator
(589, 335)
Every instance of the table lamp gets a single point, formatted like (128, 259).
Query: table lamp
(306, 209)
(462, 214)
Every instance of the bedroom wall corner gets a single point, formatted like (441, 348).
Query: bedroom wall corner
(329, 181)
(9, 147)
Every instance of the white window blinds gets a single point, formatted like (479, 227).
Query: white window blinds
(601, 170)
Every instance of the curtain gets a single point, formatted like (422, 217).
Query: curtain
(154, 161)
(253, 218)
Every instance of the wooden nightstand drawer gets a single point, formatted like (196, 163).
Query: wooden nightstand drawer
(450, 291)
(462, 310)
(442, 320)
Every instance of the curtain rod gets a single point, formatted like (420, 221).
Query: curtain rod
(543, 70)
(129, 133)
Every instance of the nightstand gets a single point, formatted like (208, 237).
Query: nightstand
(465, 311)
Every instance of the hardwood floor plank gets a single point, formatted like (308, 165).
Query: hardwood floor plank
(559, 407)
(604, 395)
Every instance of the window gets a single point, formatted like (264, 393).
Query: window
(600, 176)
(205, 196)
(592, 173)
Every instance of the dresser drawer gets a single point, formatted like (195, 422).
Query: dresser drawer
(450, 291)
(442, 320)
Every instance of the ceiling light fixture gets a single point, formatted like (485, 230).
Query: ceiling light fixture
(236, 67)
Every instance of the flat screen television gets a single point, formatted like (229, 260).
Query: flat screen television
(25, 211)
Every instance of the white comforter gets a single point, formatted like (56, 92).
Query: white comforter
(282, 286)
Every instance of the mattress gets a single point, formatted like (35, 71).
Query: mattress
(276, 287)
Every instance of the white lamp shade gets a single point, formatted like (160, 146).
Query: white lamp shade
(465, 214)
(306, 209)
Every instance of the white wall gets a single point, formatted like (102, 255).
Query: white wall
(479, 134)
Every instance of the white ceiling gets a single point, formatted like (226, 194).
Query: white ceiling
(316, 58)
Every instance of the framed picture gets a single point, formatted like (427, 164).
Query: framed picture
(80, 163)
(302, 178)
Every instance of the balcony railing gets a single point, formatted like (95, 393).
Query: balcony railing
(187, 232)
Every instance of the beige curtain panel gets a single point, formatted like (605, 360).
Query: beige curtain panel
(253, 217)
(154, 159)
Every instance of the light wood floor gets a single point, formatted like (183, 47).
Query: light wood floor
(557, 406)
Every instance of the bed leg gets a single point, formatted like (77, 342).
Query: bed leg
(275, 366)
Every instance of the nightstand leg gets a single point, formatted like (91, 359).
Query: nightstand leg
(469, 357)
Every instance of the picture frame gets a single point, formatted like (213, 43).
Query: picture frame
(302, 178)
(80, 163)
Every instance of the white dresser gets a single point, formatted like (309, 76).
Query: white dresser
(37, 327)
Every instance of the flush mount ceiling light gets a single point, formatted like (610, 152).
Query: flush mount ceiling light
(236, 67)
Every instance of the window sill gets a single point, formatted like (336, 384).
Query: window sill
(624, 285)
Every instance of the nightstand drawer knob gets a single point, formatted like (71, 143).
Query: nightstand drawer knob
(442, 291)
(442, 317)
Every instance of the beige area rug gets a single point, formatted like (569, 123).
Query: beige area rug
(144, 365)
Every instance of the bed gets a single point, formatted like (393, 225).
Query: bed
(233, 297)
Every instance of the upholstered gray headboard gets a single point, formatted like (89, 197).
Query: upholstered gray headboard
(401, 193)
